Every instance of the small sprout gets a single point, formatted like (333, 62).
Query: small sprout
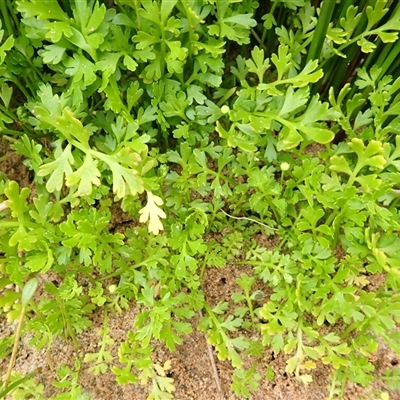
(270, 373)
(112, 288)
(28, 291)
(285, 166)
(225, 109)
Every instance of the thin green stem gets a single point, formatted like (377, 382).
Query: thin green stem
(226, 96)
(351, 328)
(119, 271)
(190, 30)
(214, 319)
(11, 132)
(36, 73)
(193, 76)
(303, 46)
(282, 180)
(354, 174)
(11, 7)
(285, 239)
(255, 263)
(265, 31)
(16, 224)
(136, 5)
(378, 55)
(350, 42)
(163, 49)
(271, 37)
(340, 12)
(249, 219)
(254, 33)
(18, 382)
(333, 385)
(7, 112)
(203, 265)
(343, 67)
(96, 106)
(299, 352)
(211, 220)
(6, 18)
(20, 87)
(392, 56)
(70, 329)
(324, 19)
(15, 347)
(393, 69)
(331, 217)
(35, 309)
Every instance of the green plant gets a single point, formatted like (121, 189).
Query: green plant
(67, 380)
(23, 386)
(210, 124)
(26, 296)
(242, 378)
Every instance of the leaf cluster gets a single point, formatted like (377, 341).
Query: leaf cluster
(168, 138)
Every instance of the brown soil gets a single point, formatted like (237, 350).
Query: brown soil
(191, 364)
(11, 164)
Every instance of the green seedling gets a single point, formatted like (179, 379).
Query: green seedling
(27, 293)
(156, 141)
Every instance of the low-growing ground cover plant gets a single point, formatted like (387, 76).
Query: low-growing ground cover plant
(208, 122)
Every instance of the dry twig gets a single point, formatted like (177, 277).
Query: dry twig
(249, 219)
(214, 368)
